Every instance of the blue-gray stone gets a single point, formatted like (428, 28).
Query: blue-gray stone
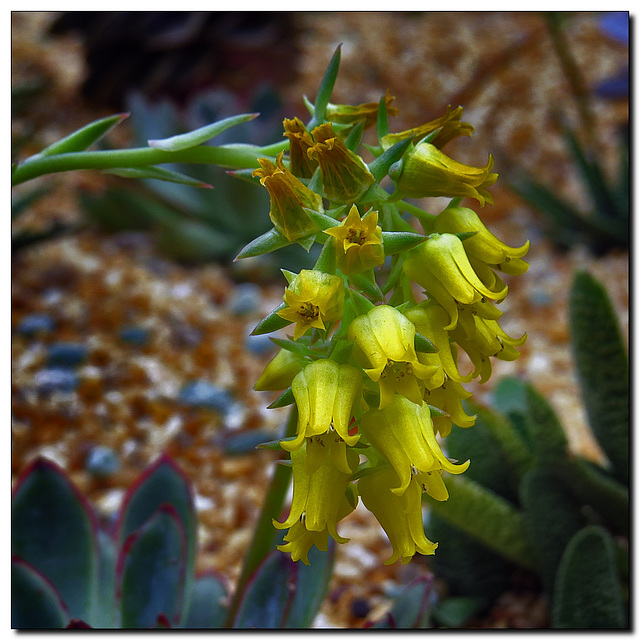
(102, 461)
(245, 299)
(55, 379)
(138, 336)
(260, 344)
(36, 323)
(203, 394)
(66, 354)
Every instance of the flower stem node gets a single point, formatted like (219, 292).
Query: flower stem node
(313, 299)
(384, 347)
(326, 393)
(289, 199)
(345, 175)
(427, 172)
(359, 242)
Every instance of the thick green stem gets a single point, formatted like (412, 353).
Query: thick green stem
(264, 534)
(231, 157)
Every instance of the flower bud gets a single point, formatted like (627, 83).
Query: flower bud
(345, 176)
(313, 299)
(359, 242)
(289, 198)
(426, 172)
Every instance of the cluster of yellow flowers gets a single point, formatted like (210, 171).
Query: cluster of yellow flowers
(372, 370)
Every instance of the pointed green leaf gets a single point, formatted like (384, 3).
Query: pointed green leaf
(283, 400)
(437, 413)
(151, 571)
(397, 241)
(352, 141)
(295, 346)
(603, 368)
(322, 220)
(163, 483)
(53, 529)
(324, 92)
(266, 243)
(201, 135)
(311, 586)
(271, 322)
(380, 166)
(424, 345)
(157, 173)
(35, 602)
(207, 610)
(326, 261)
(485, 516)
(83, 138)
(366, 283)
(361, 305)
(267, 596)
(587, 589)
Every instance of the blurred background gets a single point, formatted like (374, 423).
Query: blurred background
(130, 322)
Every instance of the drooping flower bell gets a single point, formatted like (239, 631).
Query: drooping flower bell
(300, 140)
(449, 124)
(483, 245)
(384, 346)
(426, 172)
(289, 198)
(313, 299)
(359, 242)
(448, 397)
(345, 176)
(442, 267)
(403, 432)
(325, 393)
(399, 516)
(322, 493)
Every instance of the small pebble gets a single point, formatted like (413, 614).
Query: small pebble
(55, 379)
(134, 335)
(36, 324)
(245, 299)
(203, 394)
(66, 354)
(102, 461)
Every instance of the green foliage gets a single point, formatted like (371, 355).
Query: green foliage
(562, 508)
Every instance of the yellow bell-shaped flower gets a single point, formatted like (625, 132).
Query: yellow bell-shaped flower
(359, 242)
(448, 397)
(384, 347)
(483, 245)
(442, 267)
(427, 172)
(345, 176)
(399, 516)
(313, 299)
(403, 432)
(322, 469)
(325, 393)
(289, 198)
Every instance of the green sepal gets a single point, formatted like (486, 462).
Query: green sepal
(201, 135)
(366, 283)
(587, 588)
(397, 241)
(602, 367)
(321, 220)
(151, 571)
(437, 412)
(35, 603)
(269, 241)
(465, 235)
(324, 91)
(380, 166)
(83, 138)
(487, 517)
(271, 322)
(361, 305)
(246, 175)
(352, 141)
(326, 261)
(424, 345)
(283, 400)
(157, 173)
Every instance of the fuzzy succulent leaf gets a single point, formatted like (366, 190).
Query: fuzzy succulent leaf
(587, 589)
(603, 368)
